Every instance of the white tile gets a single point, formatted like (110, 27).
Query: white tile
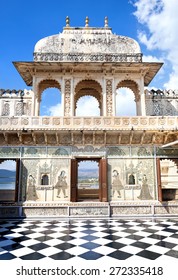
(2, 251)
(22, 252)
(158, 249)
(137, 228)
(77, 251)
(29, 242)
(13, 235)
(131, 249)
(56, 234)
(104, 250)
(99, 234)
(127, 241)
(102, 241)
(78, 234)
(53, 242)
(121, 234)
(164, 233)
(35, 235)
(49, 251)
(171, 240)
(149, 240)
(143, 233)
(78, 241)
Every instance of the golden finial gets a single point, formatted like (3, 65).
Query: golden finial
(106, 22)
(86, 22)
(67, 21)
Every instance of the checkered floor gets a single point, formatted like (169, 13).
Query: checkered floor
(89, 239)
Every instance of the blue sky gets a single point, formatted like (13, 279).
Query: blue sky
(153, 23)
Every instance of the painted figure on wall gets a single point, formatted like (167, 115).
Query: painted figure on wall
(61, 184)
(116, 183)
(145, 192)
(31, 192)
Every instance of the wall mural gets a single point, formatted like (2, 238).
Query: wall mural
(45, 179)
(131, 179)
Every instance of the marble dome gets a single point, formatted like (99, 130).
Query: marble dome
(89, 42)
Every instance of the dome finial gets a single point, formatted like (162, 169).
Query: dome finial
(106, 22)
(86, 22)
(67, 21)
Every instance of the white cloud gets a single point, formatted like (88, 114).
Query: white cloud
(56, 110)
(160, 21)
(125, 104)
(87, 106)
(8, 165)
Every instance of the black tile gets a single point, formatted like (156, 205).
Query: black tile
(169, 230)
(20, 239)
(33, 256)
(172, 253)
(66, 238)
(38, 246)
(90, 245)
(112, 237)
(89, 231)
(67, 231)
(47, 231)
(90, 255)
(13, 246)
(64, 246)
(62, 256)
(175, 235)
(148, 255)
(140, 244)
(130, 230)
(115, 245)
(7, 256)
(89, 237)
(134, 237)
(119, 255)
(157, 236)
(43, 238)
(165, 244)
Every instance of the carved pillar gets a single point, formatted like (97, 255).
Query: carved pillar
(67, 101)
(109, 97)
(142, 98)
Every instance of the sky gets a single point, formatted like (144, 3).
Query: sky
(153, 23)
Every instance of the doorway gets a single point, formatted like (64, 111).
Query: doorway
(89, 180)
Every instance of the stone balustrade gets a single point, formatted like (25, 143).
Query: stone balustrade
(89, 123)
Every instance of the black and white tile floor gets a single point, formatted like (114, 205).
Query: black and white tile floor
(90, 239)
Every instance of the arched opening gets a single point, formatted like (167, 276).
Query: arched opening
(127, 98)
(87, 106)
(49, 96)
(125, 102)
(45, 180)
(88, 98)
(88, 180)
(50, 104)
(169, 179)
(7, 180)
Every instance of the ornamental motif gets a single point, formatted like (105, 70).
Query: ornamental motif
(109, 100)
(67, 97)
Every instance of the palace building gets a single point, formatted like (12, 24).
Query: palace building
(88, 165)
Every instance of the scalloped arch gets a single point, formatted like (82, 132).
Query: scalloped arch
(131, 84)
(88, 87)
(48, 83)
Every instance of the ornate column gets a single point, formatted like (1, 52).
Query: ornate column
(67, 95)
(142, 97)
(109, 97)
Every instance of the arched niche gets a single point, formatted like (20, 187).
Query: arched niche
(127, 98)
(49, 98)
(89, 88)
